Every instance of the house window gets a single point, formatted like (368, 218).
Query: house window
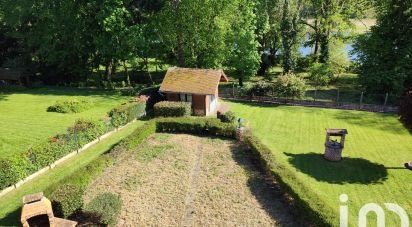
(185, 97)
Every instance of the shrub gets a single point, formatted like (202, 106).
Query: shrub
(69, 106)
(290, 86)
(320, 74)
(228, 117)
(86, 131)
(12, 170)
(66, 200)
(172, 109)
(196, 125)
(126, 113)
(106, 205)
(261, 88)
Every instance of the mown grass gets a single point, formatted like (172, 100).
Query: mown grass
(375, 150)
(24, 119)
(10, 204)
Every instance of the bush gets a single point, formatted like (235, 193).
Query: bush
(107, 206)
(86, 131)
(69, 106)
(126, 113)
(320, 74)
(289, 86)
(12, 170)
(196, 125)
(66, 200)
(228, 117)
(261, 88)
(172, 109)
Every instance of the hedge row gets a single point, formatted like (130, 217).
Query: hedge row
(82, 132)
(126, 113)
(172, 109)
(307, 202)
(196, 125)
(84, 176)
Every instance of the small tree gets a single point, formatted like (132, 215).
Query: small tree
(289, 86)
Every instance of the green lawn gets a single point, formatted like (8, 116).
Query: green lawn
(372, 171)
(10, 204)
(24, 119)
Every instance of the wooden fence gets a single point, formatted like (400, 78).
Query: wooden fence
(313, 103)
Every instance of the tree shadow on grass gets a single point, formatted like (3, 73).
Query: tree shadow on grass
(267, 191)
(11, 219)
(347, 171)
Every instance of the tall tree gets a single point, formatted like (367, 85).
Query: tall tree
(268, 16)
(290, 28)
(331, 19)
(385, 53)
(244, 56)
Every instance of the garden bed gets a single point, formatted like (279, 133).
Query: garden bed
(188, 180)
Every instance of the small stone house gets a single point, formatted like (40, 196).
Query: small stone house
(198, 86)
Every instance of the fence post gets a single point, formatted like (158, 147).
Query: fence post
(233, 90)
(337, 98)
(361, 100)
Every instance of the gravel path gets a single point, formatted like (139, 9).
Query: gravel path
(183, 180)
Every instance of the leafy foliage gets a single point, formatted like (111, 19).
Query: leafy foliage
(228, 117)
(66, 200)
(127, 113)
(199, 126)
(385, 53)
(320, 74)
(69, 106)
(107, 206)
(172, 109)
(261, 88)
(290, 86)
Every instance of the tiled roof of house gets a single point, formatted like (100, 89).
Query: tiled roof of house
(192, 81)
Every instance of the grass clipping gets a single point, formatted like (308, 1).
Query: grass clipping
(70, 106)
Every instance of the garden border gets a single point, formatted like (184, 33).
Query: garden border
(59, 161)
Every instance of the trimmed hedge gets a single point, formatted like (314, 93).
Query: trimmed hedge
(106, 206)
(228, 117)
(67, 200)
(196, 125)
(172, 109)
(69, 106)
(305, 200)
(126, 113)
(82, 132)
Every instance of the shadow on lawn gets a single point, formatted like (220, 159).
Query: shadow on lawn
(11, 219)
(267, 191)
(255, 104)
(347, 171)
(63, 91)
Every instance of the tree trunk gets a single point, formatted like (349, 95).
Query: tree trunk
(108, 72)
(324, 49)
(127, 74)
(146, 65)
(241, 81)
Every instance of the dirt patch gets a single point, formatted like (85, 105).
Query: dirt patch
(184, 180)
